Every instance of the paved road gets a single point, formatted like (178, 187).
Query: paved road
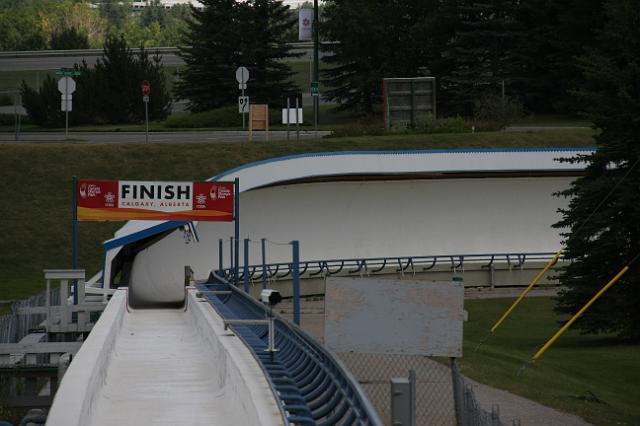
(162, 137)
(32, 61)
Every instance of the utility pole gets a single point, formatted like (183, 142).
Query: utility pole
(316, 64)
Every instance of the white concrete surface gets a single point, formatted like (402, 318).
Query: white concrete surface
(279, 170)
(163, 367)
(369, 219)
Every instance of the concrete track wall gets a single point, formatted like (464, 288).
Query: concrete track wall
(336, 220)
(163, 367)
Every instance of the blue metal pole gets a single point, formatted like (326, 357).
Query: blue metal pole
(264, 263)
(220, 257)
(237, 222)
(231, 267)
(75, 237)
(246, 265)
(295, 274)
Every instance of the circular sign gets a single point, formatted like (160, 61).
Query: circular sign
(146, 88)
(66, 85)
(242, 75)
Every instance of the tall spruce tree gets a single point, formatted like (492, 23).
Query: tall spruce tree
(209, 53)
(263, 49)
(483, 52)
(227, 34)
(376, 39)
(603, 218)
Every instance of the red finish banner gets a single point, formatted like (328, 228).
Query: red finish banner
(110, 200)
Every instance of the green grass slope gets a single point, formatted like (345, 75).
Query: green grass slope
(35, 188)
(595, 377)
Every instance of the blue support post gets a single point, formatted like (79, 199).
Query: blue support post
(221, 258)
(231, 267)
(264, 263)
(246, 265)
(295, 274)
(75, 237)
(237, 223)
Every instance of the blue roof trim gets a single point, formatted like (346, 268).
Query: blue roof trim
(390, 152)
(142, 234)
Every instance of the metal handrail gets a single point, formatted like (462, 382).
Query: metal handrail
(373, 265)
(311, 383)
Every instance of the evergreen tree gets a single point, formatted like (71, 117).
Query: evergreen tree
(375, 39)
(110, 92)
(539, 85)
(603, 218)
(578, 22)
(226, 34)
(263, 49)
(209, 52)
(483, 52)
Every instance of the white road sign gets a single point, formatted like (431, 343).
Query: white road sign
(145, 99)
(243, 104)
(66, 103)
(242, 75)
(66, 85)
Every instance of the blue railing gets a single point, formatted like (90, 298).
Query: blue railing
(311, 384)
(373, 265)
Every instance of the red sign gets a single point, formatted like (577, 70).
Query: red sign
(102, 200)
(146, 88)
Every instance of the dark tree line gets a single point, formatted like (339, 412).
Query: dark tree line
(110, 92)
(227, 34)
(472, 47)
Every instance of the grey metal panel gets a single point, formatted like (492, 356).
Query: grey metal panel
(394, 316)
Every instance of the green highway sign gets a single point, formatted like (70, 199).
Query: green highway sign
(315, 88)
(68, 72)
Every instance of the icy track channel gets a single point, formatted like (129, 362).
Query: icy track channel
(163, 367)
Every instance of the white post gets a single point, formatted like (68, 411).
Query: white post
(66, 107)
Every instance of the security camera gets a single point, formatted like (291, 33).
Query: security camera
(270, 297)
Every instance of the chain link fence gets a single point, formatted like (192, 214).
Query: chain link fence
(443, 398)
(469, 411)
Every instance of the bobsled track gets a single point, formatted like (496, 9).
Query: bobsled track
(383, 208)
(181, 366)
(161, 354)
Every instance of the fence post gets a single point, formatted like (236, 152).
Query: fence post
(220, 258)
(457, 393)
(264, 263)
(295, 275)
(232, 268)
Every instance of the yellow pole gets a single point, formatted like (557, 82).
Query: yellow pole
(526, 290)
(580, 312)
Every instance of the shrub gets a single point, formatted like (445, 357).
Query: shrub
(10, 119)
(220, 117)
(430, 124)
(227, 116)
(499, 110)
(6, 100)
